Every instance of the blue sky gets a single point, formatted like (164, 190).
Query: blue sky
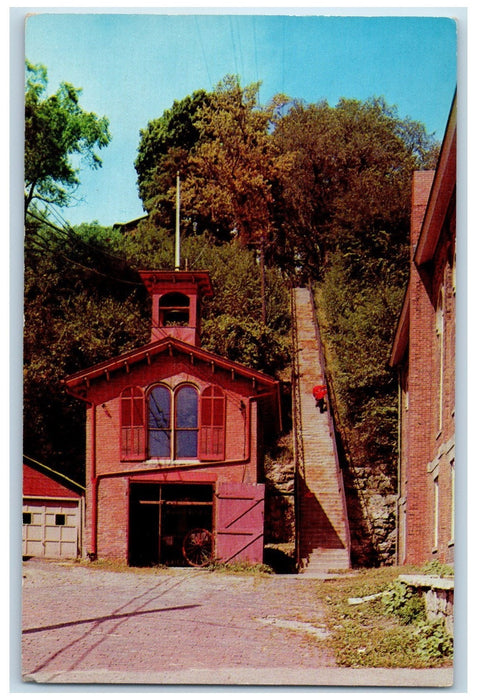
(131, 67)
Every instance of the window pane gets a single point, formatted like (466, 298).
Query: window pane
(159, 408)
(186, 443)
(159, 421)
(186, 407)
(159, 443)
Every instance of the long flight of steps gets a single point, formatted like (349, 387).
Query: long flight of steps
(322, 524)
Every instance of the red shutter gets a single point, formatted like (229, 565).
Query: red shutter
(212, 424)
(239, 522)
(133, 433)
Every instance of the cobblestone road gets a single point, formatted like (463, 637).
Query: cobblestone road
(84, 625)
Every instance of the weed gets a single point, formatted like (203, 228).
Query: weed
(371, 634)
(433, 640)
(239, 568)
(402, 601)
(437, 569)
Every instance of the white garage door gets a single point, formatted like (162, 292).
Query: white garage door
(51, 529)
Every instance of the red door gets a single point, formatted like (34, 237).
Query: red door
(239, 522)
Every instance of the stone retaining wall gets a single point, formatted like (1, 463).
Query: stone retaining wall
(438, 594)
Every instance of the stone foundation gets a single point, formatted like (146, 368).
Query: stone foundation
(438, 594)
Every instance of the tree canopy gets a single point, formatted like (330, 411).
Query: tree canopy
(57, 131)
(348, 187)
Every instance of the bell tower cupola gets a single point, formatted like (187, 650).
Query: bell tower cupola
(176, 302)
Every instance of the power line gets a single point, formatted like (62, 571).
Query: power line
(47, 248)
(203, 51)
(73, 235)
(233, 45)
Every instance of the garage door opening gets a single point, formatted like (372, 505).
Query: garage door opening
(170, 524)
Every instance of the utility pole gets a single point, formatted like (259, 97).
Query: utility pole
(177, 264)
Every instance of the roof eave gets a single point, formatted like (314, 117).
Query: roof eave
(441, 192)
(401, 336)
(125, 361)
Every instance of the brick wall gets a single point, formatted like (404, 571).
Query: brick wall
(427, 423)
(113, 475)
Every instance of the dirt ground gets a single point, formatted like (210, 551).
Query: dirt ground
(180, 626)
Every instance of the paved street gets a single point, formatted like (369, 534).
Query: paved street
(181, 626)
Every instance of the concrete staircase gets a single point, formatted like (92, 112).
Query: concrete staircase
(323, 541)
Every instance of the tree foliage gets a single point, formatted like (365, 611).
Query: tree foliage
(82, 305)
(349, 185)
(57, 131)
(163, 150)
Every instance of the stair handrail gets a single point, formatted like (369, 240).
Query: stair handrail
(297, 421)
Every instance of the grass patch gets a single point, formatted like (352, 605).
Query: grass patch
(122, 567)
(240, 568)
(231, 568)
(389, 631)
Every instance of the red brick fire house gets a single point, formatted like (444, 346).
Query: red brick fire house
(424, 353)
(174, 441)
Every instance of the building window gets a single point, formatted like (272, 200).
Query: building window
(132, 424)
(159, 422)
(173, 422)
(452, 479)
(186, 422)
(212, 423)
(27, 518)
(440, 356)
(176, 428)
(436, 513)
(60, 519)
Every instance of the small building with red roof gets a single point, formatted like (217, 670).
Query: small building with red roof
(53, 508)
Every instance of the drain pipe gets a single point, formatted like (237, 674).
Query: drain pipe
(93, 553)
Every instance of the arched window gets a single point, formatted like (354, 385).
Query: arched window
(212, 423)
(133, 441)
(186, 422)
(159, 422)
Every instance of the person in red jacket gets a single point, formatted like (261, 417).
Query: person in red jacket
(319, 393)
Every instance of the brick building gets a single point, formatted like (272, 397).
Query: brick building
(424, 354)
(174, 441)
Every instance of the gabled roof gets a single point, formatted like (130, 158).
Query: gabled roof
(79, 381)
(41, 480)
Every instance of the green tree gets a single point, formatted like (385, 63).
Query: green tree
(350, 180)
(57, 132)
(163, 150)
(234, 165)
(82, 305)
